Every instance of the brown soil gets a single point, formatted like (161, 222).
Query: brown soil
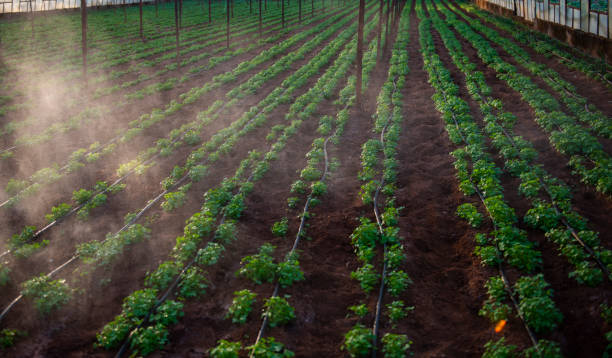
(448, 288)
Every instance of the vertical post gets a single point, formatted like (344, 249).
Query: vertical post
(562, 12)
(387, 27)
(84, 38)
(609, 20)
(358, 84)
(260, 18)
(227, 27)
(176, 27)
(380, 16)
(141, 35)
(156, 8)
(300, 10)
(283, 13)
(584, 14)
(180, 13)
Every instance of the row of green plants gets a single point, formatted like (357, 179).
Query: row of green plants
(379, 169)
(596, 121)
(547, 46)
(530, 295)
(551, 207)
(588, 159)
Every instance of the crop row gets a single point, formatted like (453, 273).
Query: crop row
(379, 169)
(529, 296)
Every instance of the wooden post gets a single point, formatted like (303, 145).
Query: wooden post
(609, 19)
(380, 16)
(180, 13)
(141, 34)
(358, 84)
(387, 27)
(283, 13)
(584, 15)
(227, 27)
(84, 38)
(176, 27)
(260, 18)
(562, 11)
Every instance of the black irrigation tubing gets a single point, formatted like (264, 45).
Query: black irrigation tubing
(376, 325)
(508, 288)
(264, 323)
(563, 219)
(168, 292)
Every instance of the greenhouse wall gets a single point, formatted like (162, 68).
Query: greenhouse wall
(584, 24)
(14, 6)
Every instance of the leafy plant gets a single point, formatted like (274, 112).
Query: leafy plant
(367, 277)
(162, 277)
(226, 349)
(280, 228)
(210, 254)
(397, 311)
(149, 339)
(4, 274)
(168, 313)
(269, 348)
(260, 267)
(58, 212)
(289, 271)
(138, 304)
(499, 349)
(8, 337)
(193, 283)
(278, 311)
(359, 310)
(395, 345)
(358, 341)
(536, 304)
(241, 306)
(397, 282)
(47, 294)
(469, 212)
(114, 333)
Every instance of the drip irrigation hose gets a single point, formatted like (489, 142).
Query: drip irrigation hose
(264, 323)
(381, 290)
